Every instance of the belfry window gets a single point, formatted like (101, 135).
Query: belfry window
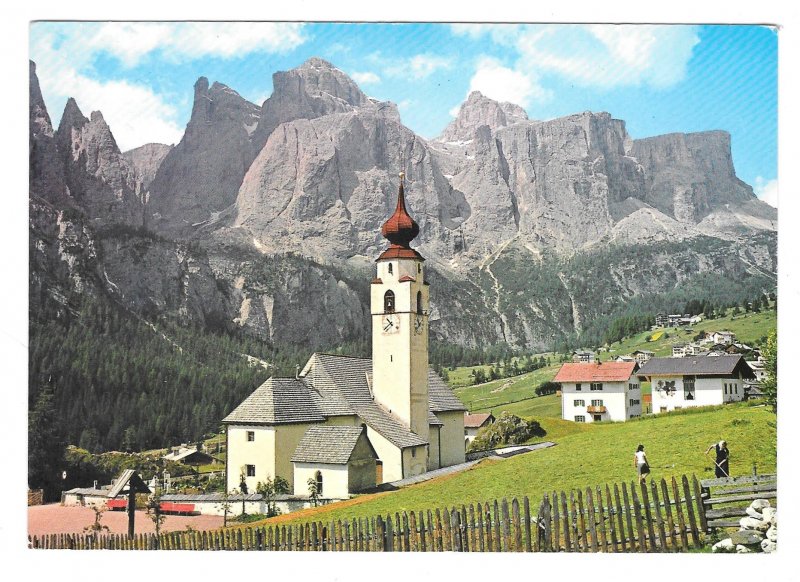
(419, 302)
(390, 269)
(388, 301)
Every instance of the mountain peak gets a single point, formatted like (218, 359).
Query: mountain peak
(72, 117)
(480, 110)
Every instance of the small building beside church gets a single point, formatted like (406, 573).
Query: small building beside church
(342, 418)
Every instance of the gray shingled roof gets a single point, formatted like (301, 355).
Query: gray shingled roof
(328, 444)
(697, 366)
(277, 401)
(333, 385)
(440, 396)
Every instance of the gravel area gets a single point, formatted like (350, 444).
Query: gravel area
(55, 518)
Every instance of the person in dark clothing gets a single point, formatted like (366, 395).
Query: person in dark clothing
(721, 462)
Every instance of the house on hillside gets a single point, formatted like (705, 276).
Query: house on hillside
(340, 418)
(190, 455)
(598, 391)
(678, 350)
(662, 320)
(473, 423)
(695, 380)
(641, 356)
(722, 337)
(582, 356)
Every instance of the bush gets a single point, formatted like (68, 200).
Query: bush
(508, 429)
(546, 388)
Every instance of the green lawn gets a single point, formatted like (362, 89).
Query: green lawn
(590, 455)
(490, 395)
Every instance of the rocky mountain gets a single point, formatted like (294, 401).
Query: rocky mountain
(267, 219)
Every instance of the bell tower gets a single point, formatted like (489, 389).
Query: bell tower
(399, 306)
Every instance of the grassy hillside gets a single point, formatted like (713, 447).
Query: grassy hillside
(592, 455)
(517, 394)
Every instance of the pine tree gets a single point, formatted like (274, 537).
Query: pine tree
(45, 446)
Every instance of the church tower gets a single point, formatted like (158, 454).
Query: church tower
(399, 307)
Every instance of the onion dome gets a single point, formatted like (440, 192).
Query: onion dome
(400, 230)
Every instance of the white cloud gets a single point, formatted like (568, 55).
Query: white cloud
(130, 41)
(366, 78)
(135, 113)
(600, 55)
(454, 111)
(417, 67)
(607, 55)
(424, 65)
(767, 191)
(504, 84)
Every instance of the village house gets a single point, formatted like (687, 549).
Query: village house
(350, 423)
(695, 381)
(582, 356)
(678, 350)
(473, 423)
(641, 356)
(598, 391)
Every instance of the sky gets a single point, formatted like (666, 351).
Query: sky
(657, 78)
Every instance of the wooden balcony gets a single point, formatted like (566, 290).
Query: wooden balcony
(595, 409)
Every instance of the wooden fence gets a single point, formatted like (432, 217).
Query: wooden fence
(653, 517)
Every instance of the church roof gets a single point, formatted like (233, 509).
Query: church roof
(277, 401)
(333, 385)
(328, 444)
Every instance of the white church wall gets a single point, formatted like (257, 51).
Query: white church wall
(433, 455)
(335, 480)
(452, 437)
(389, 454)
(259, 452)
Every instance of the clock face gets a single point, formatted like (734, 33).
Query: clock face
(390, 323)
(419, 324)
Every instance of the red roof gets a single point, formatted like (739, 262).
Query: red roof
(476, 420)
(405, 278)
(595, 372)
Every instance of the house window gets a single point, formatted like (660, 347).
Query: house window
(597, 403)
(688, 387)
(390, 269)
(633, 402)
(580, 418)
(736, 388)
(419, 302)
(596, 386)
(388, 301)
(726, 388)
(633, 386)
(250, 470)
(413, 452)
(579, 403)
(251, 436)
(577, 387)
(318, 480)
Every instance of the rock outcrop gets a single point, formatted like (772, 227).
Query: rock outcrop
(477, 111)
(46, 167)
(97, 175)
(145, 161)
(201, 175)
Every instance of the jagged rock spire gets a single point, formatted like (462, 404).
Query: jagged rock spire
(400, 230)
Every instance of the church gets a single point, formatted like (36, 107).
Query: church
(351, 423)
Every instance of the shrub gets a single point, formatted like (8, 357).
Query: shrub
(508, 429)
(546, 388)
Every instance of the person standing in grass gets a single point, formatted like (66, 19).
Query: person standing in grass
(721, 462)
(641, 464)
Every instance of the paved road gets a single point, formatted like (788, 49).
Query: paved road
(499, 454)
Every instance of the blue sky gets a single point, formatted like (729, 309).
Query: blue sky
(659, 79)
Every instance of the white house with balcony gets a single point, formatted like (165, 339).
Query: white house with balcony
(695, 381)
(599, 391)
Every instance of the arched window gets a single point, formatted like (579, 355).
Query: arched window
(388, 301)
(419, 302)
(390, 269)
(318, 479)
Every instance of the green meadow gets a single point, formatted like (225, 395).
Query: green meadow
(589, 455)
